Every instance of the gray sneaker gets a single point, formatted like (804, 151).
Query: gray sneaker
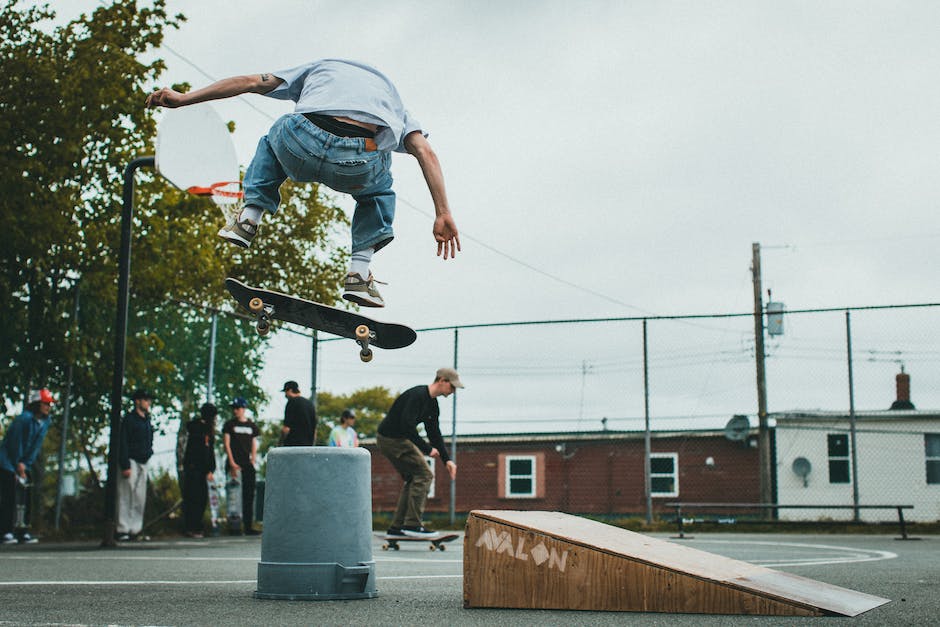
(239, 233)
(362, 292)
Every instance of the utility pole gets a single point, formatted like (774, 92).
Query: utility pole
(763, 431)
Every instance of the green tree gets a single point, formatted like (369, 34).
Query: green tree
(71, 119)
(370, 405)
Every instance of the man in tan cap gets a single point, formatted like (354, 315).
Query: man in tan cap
(399, 441)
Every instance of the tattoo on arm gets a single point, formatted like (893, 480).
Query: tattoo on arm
(265, 78)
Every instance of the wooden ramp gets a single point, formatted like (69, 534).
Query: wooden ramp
(550, 560)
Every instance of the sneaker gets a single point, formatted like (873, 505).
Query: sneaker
(418, 532)
(141, 537)
(362, 292)
(9, 538)
(123, 537)
(28, 539)
(395, 531)
(239, 233)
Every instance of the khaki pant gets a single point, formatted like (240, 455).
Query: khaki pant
(409, 461)
(131, 498)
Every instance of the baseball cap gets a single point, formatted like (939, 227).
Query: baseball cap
(239, 401)
(348, 413)
(292, 386)
(141, 394)
(41, 396)
(449, 374)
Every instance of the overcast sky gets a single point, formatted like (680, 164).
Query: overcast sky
(619, 159)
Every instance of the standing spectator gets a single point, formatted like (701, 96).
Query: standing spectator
(21, 445)
(399, 441)
(198, 466)
(241, 449)
(344, 434)
(300, 418)
(135, 451)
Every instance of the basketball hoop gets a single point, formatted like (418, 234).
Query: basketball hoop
(226, 195)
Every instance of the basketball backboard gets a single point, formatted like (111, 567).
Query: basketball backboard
(194, 152)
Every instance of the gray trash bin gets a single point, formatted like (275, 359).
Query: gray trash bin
(317, 540)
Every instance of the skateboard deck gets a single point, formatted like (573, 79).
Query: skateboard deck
(233, 504)
(214, 517)
(268, 305)
(436, 543)
(21, 496)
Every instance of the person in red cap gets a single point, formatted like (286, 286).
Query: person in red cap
(21, 445)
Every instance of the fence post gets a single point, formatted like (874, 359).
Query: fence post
(647, 439)
(854, 456)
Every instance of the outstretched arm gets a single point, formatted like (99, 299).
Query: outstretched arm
(445, 229)
(225, 88)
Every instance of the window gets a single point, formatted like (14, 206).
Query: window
(520, 476)
(664, 474)
(431, 466)
(932, 453)
(838, 458)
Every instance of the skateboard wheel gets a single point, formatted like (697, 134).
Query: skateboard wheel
(432, 548)
(256, 304)
(385, 547)
(441, 547)
(396, 547)
(365, 355)
(263, 327)
(362, 332)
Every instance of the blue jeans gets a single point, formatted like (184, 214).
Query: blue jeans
(296, 148)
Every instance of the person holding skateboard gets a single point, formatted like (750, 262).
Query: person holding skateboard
(240, 436)
(198, 468)
(21, 444)
(399, 441)
(348, 119)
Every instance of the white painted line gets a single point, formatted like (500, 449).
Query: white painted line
(854, 554)
(185, 583)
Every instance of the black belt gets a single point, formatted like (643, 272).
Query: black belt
(337, 127)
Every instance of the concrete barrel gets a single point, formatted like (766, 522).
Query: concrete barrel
(317, 540)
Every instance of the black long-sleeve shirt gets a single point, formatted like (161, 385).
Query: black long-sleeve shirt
(136, 440)
(200, 449)
(409, 409)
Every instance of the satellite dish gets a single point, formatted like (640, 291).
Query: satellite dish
(737, 428)
(802, 468)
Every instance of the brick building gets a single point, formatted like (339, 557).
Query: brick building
(585, 473)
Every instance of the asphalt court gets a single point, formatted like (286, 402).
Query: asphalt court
(208, 582)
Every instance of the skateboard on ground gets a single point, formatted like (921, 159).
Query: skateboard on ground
(436, 543)
(233, 504)
(267, 305)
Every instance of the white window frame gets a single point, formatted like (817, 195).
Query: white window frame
(432, 467)
(532, 459)
(846, 459)
(674, 474)
(928, 458)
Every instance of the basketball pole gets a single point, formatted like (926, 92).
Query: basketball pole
(120, 346)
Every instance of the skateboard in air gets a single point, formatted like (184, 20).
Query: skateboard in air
(435, 543)
(20, 498)
(268, 305)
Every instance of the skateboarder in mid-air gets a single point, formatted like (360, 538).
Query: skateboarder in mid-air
(347, 120)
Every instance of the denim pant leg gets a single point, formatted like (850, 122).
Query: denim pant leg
(374, 213)
(263, 179)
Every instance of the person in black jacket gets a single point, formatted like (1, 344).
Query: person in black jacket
(135, 451)
(399, 441)
(198, 466)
